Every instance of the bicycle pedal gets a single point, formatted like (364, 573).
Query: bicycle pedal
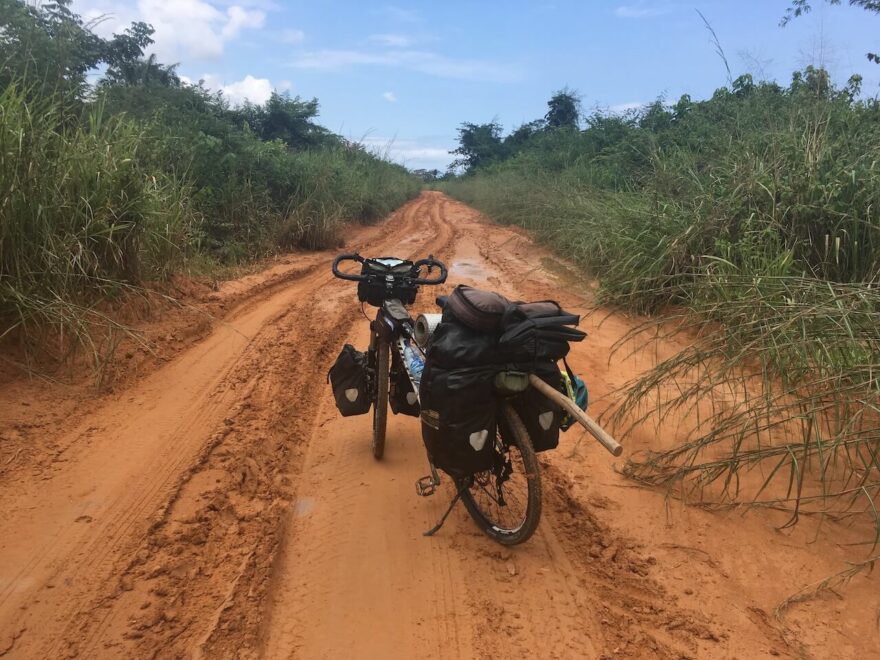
(426, 487)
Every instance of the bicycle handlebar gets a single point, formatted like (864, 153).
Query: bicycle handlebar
(348, 276)
(430, 262)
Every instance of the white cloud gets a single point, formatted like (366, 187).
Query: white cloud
(390, 97)
(639, 11)
(293, 36)
(241, 19)
(414, 153)
(429, 63)
(393, 40)
(255, 90)
(184, 28)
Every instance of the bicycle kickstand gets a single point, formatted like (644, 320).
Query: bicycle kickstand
(436, 528)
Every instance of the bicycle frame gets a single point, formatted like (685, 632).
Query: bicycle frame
(397, 333)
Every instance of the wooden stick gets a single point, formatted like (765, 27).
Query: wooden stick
(585, 420)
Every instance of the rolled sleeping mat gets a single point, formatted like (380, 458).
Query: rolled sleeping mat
(424, 328)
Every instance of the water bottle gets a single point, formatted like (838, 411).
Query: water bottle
(414, 364)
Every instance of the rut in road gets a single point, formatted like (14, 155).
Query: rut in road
(222, 508)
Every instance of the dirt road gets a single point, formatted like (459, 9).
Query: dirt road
(218, 506)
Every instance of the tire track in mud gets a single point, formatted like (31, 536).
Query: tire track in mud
(259, 524)
(198, 582)
(344, 578)
(607, 574)
(71, 571)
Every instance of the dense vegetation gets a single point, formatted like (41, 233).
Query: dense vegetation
(752, 221)
(109, 185)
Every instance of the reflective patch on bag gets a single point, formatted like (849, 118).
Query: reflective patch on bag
(411, 398)
(546, 420)
(478, 439)
(352, 394)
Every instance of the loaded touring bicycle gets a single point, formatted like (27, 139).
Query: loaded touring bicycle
(483, 378)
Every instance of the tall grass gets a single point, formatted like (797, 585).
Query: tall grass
(80, 217)
(92, 207)
(751, 221)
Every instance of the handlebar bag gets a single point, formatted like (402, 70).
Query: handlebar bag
(375, 290)
(349, 378)
(401, 395)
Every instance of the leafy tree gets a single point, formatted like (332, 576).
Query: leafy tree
(428, 176)
(801, 7)
(655, 117)
(48, 47)
(479, 145)
(523, 136)
(290, 120)
(563, 109)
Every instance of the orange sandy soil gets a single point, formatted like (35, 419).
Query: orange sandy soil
(212, 503)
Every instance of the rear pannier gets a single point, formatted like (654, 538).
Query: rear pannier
(541, 416)
(458, 418)
(482, 335)
(349, 379)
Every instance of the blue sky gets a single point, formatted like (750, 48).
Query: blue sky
(403, 76)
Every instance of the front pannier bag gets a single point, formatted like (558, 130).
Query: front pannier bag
(401, 395)
(349, 379)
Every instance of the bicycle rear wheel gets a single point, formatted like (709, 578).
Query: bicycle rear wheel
(506, 502)
(380, 405)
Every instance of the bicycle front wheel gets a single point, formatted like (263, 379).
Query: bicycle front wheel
(505, 502)
(380, 405)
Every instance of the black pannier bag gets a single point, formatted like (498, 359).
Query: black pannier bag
(541, 416)
(349, 380)
(453, 344)
(481, 334)
(458, 418)
(375, 292)
(401, 395)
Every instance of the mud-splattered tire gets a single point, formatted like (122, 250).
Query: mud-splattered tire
(380, 406)
(522, 490)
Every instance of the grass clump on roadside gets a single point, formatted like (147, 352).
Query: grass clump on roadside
(750, 220)
(106, 187)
